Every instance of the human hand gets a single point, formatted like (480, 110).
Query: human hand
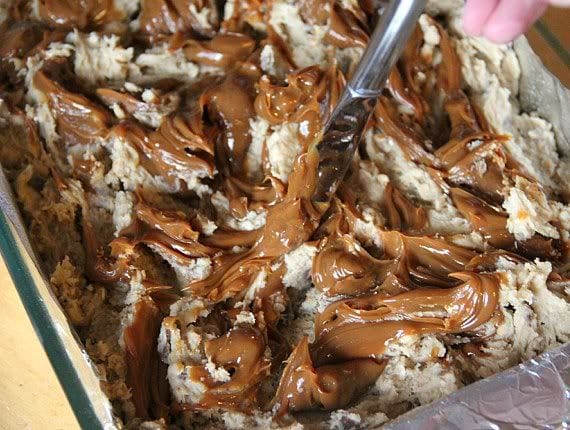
(501, 21)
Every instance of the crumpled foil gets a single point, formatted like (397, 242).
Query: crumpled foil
(532, 395)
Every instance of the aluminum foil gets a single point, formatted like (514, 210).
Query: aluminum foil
(532, 395)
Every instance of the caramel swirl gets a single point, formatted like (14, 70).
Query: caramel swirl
(449, 71)
(473, 157)
(491, 222)
(100, 267)
(284, 63)
(410, 66)
(246, 13)
(79, 120)
(162, 17)
(229, 239)
(303, 387)
(289, 224)
(412, 142)
(126, 101)
(171, 223)
(315, 11)
(185, 130)
(221, 51)
(346, 30)
(362, 327)
(230, 104)
(342, 266)
(17, 39)
(266, 193)
(81, 14)
(399, 282)
(168, 151)
(410, 99)
(424, 260)
(146, 375)
(169, 232)
(309, 95)
(352, 336)
(401, 214)
(241, 351)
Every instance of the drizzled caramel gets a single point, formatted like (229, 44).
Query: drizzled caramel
(221, 51)
(304, 387)
(308, 97)
(172, 150)
(362, 327)
(491, 222)
(345, 30)
(79, 119)
(164, 17)
(83, 14)
(146, 375)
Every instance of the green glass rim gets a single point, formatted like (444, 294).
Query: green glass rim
(46, 330)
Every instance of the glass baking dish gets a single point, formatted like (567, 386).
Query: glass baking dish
(74, 369)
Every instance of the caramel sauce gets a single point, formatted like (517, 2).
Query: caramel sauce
(173, 148)
(81, 14)
(401, 214)
(345, 30)
(221, 51)
(146, 374)
(230, 104)
(79, 120)
(163, 17)
(304, 387)
(361, 327)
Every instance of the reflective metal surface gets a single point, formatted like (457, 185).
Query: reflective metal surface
(346, 125)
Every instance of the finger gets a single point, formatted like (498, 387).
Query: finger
(475, 15)
(512, 18)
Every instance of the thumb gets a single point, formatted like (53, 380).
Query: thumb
(475, 15)
(512, 18)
